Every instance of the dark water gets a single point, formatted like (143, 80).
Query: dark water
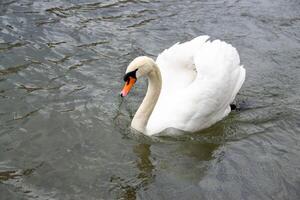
(64, 131)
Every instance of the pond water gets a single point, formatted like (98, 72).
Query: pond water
(64, 129)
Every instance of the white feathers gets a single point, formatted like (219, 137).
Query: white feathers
(200, 79)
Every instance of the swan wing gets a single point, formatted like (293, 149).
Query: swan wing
(177, 66)
(220, 76)
(206, 98)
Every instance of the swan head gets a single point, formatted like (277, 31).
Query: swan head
(139, 67)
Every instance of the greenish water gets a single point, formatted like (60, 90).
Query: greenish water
(64, 130)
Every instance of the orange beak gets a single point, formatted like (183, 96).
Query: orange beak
(128, 85)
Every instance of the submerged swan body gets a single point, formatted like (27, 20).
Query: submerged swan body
(190, 86)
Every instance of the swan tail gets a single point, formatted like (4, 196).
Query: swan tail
(239, 83)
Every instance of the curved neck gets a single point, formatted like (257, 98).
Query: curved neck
(144, 112)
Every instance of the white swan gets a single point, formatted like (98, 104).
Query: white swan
(190, 86)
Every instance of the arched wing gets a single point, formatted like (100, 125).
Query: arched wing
(200, 80)
(177, 65)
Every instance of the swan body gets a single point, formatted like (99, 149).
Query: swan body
(190, 86)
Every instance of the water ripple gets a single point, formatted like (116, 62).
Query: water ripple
(61, 69)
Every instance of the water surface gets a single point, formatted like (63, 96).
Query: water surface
(64, 130)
